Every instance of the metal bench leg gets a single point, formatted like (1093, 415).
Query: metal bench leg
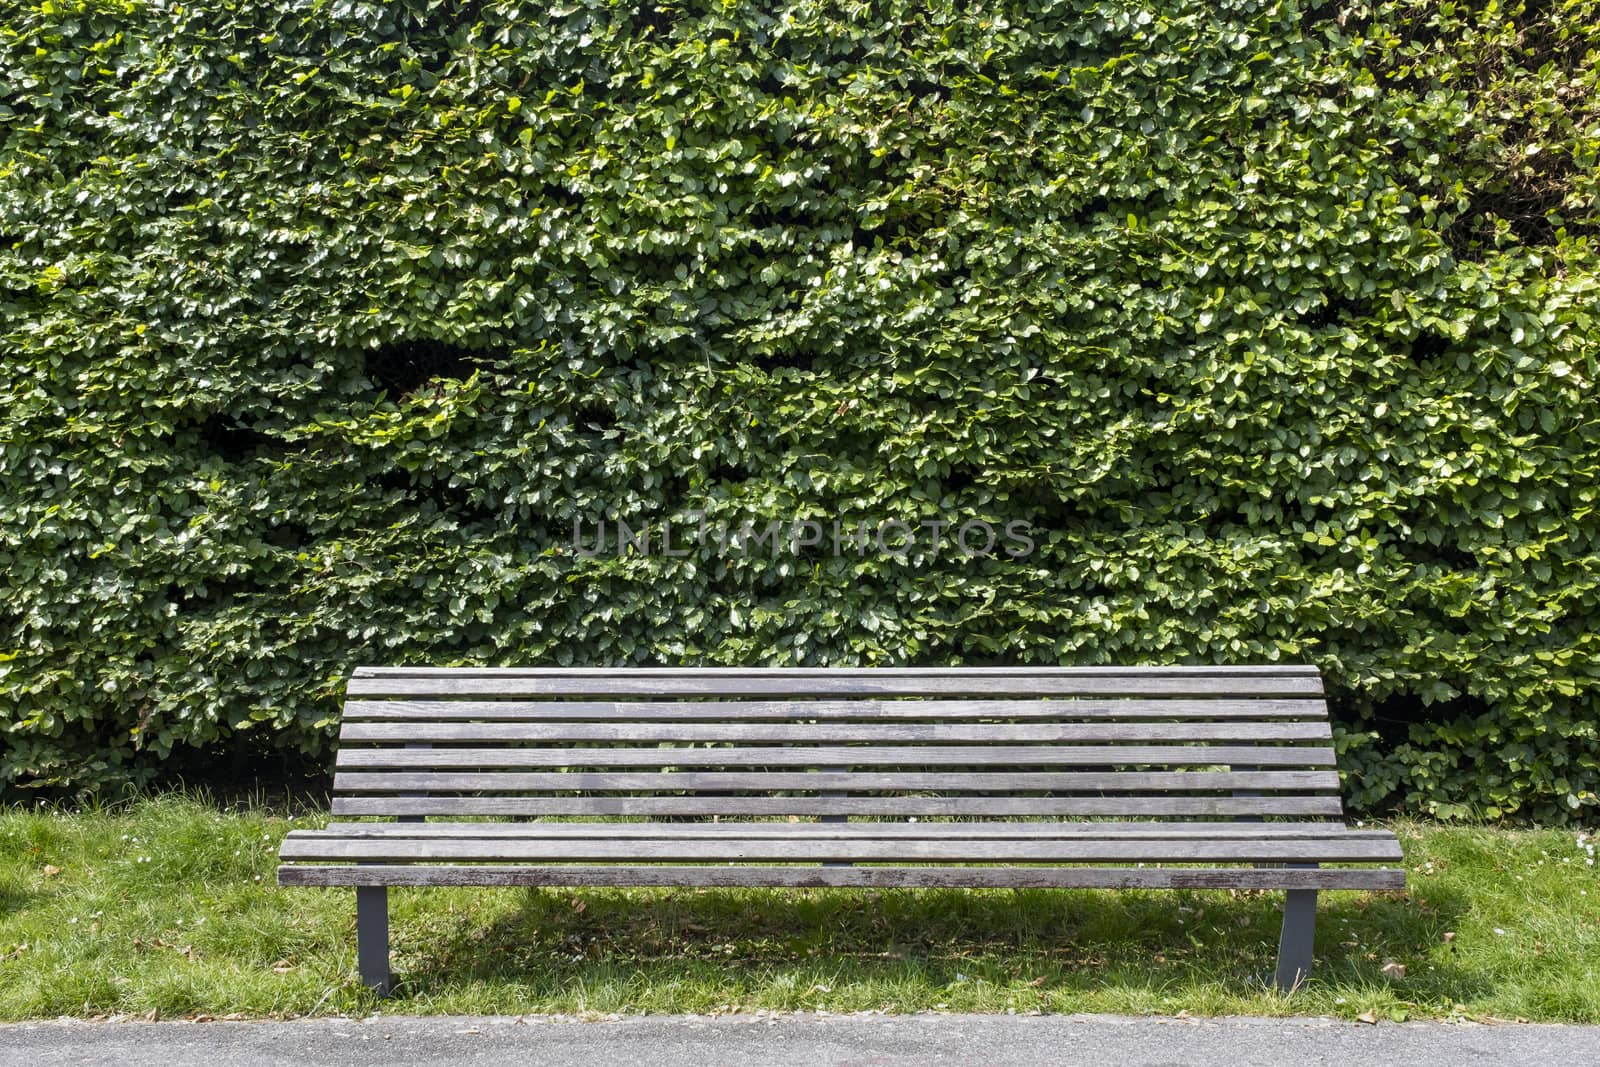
(372, 936)
(1299, 934)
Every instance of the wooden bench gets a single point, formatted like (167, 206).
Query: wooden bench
(972, 777)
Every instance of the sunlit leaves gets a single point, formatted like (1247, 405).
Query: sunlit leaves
(324, 322)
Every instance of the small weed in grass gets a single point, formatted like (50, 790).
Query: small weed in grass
(170, 906)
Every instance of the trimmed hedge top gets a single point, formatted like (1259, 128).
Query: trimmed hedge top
(325, 321)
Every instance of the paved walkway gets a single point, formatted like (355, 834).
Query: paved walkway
(798, 1040)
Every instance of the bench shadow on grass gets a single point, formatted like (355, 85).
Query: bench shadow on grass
(13, 897)
(775, 947)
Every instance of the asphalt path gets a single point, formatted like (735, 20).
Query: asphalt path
(800, 1040)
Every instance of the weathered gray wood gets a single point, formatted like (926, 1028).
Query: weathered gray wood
(1122, 806)
(823, 733)
(884, 756)
(867, 683)
(1364, 878)
(1184, 849)
(1204, 670)
(870, 781)
(642, 711)
(1029, 830)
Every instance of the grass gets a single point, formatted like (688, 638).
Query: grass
(169, 906)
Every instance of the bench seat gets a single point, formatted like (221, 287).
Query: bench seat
(1116, 778)
(1024, 847)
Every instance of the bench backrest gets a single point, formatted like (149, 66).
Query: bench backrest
(1184, 742)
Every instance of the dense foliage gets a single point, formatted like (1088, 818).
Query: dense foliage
(324, 321)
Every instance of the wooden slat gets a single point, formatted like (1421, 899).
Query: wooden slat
(874, 781)
(640, 711)
(1204, 670)
(822, 733)
(1120, 806)
(1370, 879)
(1179, 849)
(868, 684)
(903, 756)
(787, 831)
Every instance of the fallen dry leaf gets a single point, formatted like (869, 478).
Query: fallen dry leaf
(50, 870)
(1394, 969)
(1369, 1017)
(1449, 936)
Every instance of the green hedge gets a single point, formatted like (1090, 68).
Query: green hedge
(324, 321)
